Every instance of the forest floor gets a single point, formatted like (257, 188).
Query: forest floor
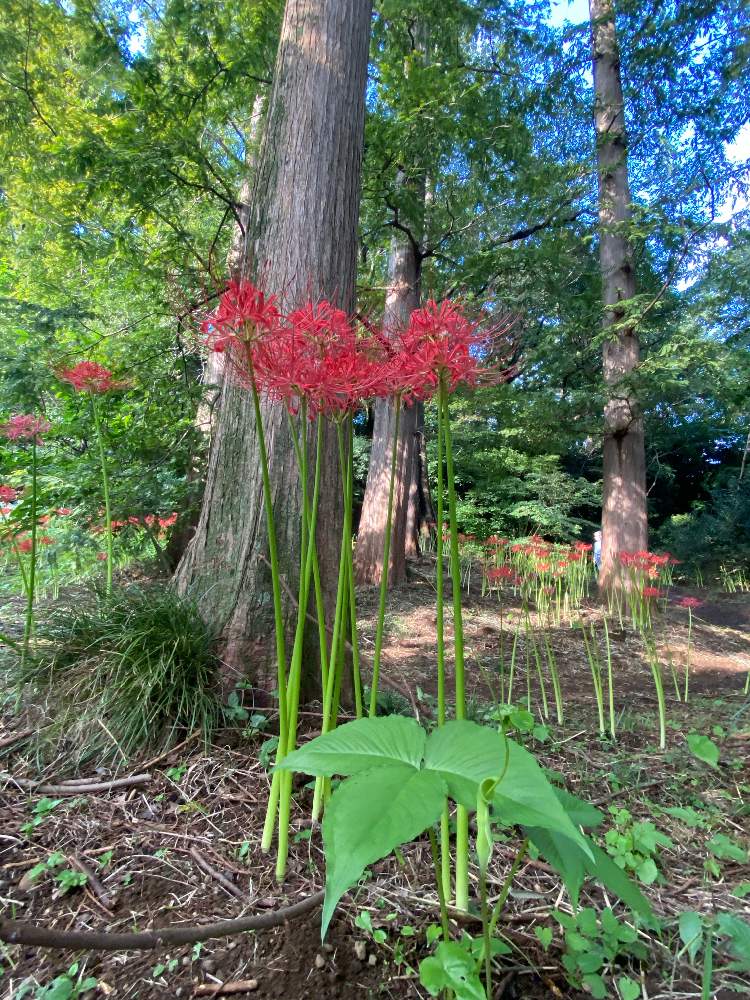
(183, 846)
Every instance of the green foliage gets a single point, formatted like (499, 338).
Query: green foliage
(703, 748)
(634, 844)
(398, 778)
(125, 671)
(593, 943)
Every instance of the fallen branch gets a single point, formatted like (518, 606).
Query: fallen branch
(93, 882)
(21, 932)
(92, 786)
(225, 989)
(8, 741)
(230, 887)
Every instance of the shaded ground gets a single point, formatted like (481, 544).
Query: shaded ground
(145, 844)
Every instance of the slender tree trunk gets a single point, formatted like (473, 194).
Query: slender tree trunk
(301, 244)
(401, 299)
(624, 523)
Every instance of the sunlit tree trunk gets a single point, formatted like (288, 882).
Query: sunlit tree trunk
(624, 524)
(301, 244)
(401, 299)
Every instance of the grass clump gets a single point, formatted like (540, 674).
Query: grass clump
(124, 671)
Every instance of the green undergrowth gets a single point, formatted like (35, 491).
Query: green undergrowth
(120, 673)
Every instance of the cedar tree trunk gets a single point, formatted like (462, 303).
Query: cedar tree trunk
(401, 299)
(301, 245)
(624, 524)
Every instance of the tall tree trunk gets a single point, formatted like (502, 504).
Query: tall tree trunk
(302, 244)
(401, 299)
(624, 523)
(213, 369)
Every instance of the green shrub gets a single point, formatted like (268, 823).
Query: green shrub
(124, 672)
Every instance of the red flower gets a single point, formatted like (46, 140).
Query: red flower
(500, 573)
(690, 602)
(46, 540)
(583, 546)
(25, 427)
(652, 592)
(244, 315)
(167, 522)
(24, 545)
(440, 342)
(101, 556)
(88, 376)
(8, 494)
(63, 511)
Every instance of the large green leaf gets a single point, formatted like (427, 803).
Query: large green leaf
(571, 862)
(360, 745)
(465, 753)
(581, 813)
(368, 816)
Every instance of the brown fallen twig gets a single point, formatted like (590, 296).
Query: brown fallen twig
(93, 882)
(93, 786)
(203, 864)
(21, 932)
(8, 741)
(225, 989)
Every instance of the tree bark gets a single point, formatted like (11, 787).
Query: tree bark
(624, 521)
(213, 368)
(301, 245)
(401, 299)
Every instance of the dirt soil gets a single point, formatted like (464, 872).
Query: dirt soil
(152, 846)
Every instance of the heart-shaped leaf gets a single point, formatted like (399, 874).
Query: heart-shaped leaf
(360, 745)
(368, 816)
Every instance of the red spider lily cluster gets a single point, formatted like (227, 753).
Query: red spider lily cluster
(8, 494)
(90, 377)
(25, 427)
(317, 355)
(149, 520)
(690, 602)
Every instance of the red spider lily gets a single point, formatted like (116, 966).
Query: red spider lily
(244, 315)
(317, 357)
(8, 494)
(652, 592)
(690, 602)
(44, 519)
(46, 540)
(25, 427)
(63, 511)
(583, 546)
(24, 545)
(500, 573)
(167, 522)
(440, 342)
(88, 376)
(101, 556)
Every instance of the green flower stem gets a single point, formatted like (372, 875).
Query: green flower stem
(610, 682)
(29, 625)
(295, 672)
(504, 892)
(301, 451)
(273, 799)
(105, 490)
(653, 662)
(386, 558)
(338, 633)
(437, 865)
(356, 672)
(445, 854)
(687, 656)
(462, 815)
